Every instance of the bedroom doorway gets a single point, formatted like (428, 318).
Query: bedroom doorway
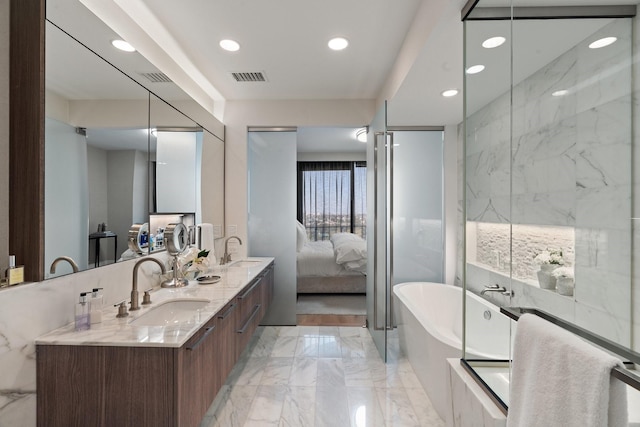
(406, 225)
(331, 227)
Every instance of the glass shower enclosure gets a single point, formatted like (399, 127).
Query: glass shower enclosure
(548, 162)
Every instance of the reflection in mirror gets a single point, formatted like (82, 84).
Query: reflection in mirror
(95, 156)
(187, 174)
(97, 120)
(177, 242)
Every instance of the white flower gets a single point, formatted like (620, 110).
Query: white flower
(194, 259)
(563, 272)
(549, 256)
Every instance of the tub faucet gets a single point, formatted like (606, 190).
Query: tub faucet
(70, 260)
(226, 258)
(134, 289)
(493, 288)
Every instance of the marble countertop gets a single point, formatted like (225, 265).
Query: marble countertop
(114, 331)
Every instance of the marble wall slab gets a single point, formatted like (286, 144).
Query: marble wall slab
(470, 405)
(30, 310)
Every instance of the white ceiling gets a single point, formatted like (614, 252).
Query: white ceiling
(287, 40)
(408, 51)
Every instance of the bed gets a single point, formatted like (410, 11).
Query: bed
(331, 266)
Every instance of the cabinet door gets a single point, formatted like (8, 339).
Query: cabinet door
(196, 375)
(228, 324)
(250, 314)
(69, 381)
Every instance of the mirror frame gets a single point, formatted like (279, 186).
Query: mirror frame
(26, 135)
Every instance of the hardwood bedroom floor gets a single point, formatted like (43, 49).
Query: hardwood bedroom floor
(331, 310)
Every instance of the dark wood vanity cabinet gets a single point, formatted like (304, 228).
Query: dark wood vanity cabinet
(149, 386)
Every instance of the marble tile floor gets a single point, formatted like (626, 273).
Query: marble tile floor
(318, 376)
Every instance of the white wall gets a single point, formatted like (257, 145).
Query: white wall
(97, 173)
(66, 198)
(120, 170)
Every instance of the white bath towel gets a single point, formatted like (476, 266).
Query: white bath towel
(205, 239)
(559, 379)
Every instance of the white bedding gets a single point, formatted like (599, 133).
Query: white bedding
(318, 259)
(332, 258)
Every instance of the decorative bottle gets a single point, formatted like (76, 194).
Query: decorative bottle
(82, 313)
(95, 306)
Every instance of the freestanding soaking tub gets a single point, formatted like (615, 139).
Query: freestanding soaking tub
(429, 318)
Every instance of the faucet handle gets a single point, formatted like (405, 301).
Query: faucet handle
(122, 308)
(146, 299)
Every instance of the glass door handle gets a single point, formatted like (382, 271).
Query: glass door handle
(375, 232)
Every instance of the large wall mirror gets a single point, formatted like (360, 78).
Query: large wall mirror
(108, 116)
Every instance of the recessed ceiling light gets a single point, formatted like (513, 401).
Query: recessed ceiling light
(338, 43)
(561, 92)
(603, 42)
(230, 45)
(475, 69)
(493, 42)
(449, 93)
(122, 45)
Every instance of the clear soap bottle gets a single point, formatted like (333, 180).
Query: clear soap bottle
(95, 306)
(82, 313)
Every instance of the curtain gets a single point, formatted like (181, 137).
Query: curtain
(331, 198)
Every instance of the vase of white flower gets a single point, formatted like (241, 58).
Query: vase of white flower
(193, 262)
(564, 280)
(548, 260)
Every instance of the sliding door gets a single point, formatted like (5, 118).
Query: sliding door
(272, 215)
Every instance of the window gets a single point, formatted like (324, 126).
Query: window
(332, 198)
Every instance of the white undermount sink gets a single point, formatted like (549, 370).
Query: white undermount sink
(171, 312)
(244, 263)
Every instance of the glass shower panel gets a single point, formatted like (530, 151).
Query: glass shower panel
(487, 168)
(548, 177)
(572, 175)
(417, 206)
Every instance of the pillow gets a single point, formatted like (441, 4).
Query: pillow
(349, 247)
(340, 238)
(359, 266)
(301, 236)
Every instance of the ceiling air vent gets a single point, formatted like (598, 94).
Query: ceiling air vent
(256, 76)
(156, 77)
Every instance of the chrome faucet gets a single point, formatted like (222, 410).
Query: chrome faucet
(70, 260)
(134, 289)
(493, 288)
(226, 258)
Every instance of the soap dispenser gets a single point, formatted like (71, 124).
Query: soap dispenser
(95, 306)
(82, 313)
